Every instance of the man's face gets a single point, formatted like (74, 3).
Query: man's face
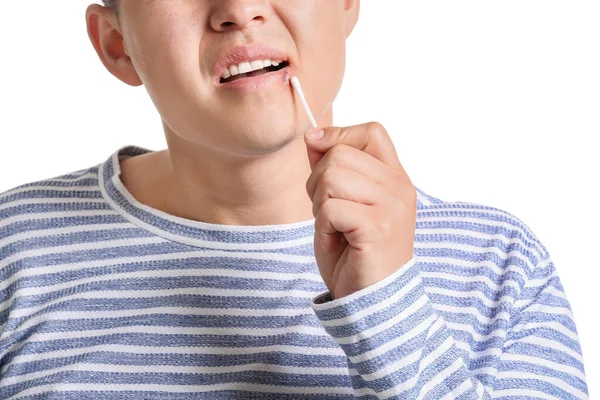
(181, 48)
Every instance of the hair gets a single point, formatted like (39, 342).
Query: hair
(113, 5)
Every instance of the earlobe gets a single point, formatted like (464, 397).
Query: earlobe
(104, 33)
(351, 10)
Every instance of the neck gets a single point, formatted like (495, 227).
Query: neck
(197, 183)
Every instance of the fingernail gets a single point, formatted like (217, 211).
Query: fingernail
(315, 134)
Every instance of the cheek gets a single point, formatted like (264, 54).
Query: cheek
(327, 66)
(166, 64)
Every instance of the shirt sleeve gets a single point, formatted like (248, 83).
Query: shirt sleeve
(399, 347)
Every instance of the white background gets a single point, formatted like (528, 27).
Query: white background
(496, 103)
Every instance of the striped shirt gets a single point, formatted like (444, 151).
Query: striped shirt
(103, 297)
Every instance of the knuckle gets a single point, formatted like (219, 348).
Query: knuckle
(385, 226)
(343, 133)
(336, 153)
(328, 176)
(325, 209)
(376, 130)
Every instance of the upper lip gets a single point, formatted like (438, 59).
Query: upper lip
(239, 54)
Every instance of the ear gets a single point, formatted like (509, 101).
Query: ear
(104, 32)
(351, 10)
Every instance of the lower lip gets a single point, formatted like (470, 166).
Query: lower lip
(254, 83)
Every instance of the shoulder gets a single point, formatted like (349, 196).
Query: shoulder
(40, 204)
(62, 186)
(482, 232)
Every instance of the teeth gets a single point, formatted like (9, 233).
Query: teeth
(256, 65)
(245, 67)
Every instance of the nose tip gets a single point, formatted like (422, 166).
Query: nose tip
(230, 24)
(237, 16)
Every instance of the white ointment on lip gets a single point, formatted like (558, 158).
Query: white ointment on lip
(298, 89)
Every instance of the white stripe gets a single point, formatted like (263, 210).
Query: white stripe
(105, 244)
(475, 355)
(75, 179)
(474, 312)
(436, 326)
(469, 248)
(121, 261)
(425, 362)
(477, 337)
(367, 333)
(115, 387)
(154, 293)
(179, 330)
(53, 215)
(489, 223)
(540, 361)
(165, 273)
(519, 304)
(545, 309)
(440, 377)
(480, 389)
(488, 370)
(48, 200)
(471, 295)
(177, 369)
(408, 359)
(185, 350)
(453, 279)
(551, 344)
(390, 279)
(423, 199)
(553, 325)
(490, 237)
(64, 315)
(193, 241)
(172, 330)
(522, 392)
(459, 391)
(395, 343)
(539, 377)
(40, 233)
(539, 282)
(476, 265)
(375, 308)
(93, 188)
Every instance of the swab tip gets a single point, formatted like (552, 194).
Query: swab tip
(295, 82)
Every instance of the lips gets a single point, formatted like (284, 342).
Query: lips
(243, 61)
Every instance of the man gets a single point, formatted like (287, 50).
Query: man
(252, 260)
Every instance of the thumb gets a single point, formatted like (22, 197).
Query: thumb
(314, 156)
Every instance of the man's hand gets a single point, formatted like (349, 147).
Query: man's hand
(365, 207)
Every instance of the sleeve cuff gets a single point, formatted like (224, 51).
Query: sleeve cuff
(357, 303)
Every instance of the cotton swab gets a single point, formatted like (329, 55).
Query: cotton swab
(298, 89)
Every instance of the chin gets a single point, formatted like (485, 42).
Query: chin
(267, 139)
